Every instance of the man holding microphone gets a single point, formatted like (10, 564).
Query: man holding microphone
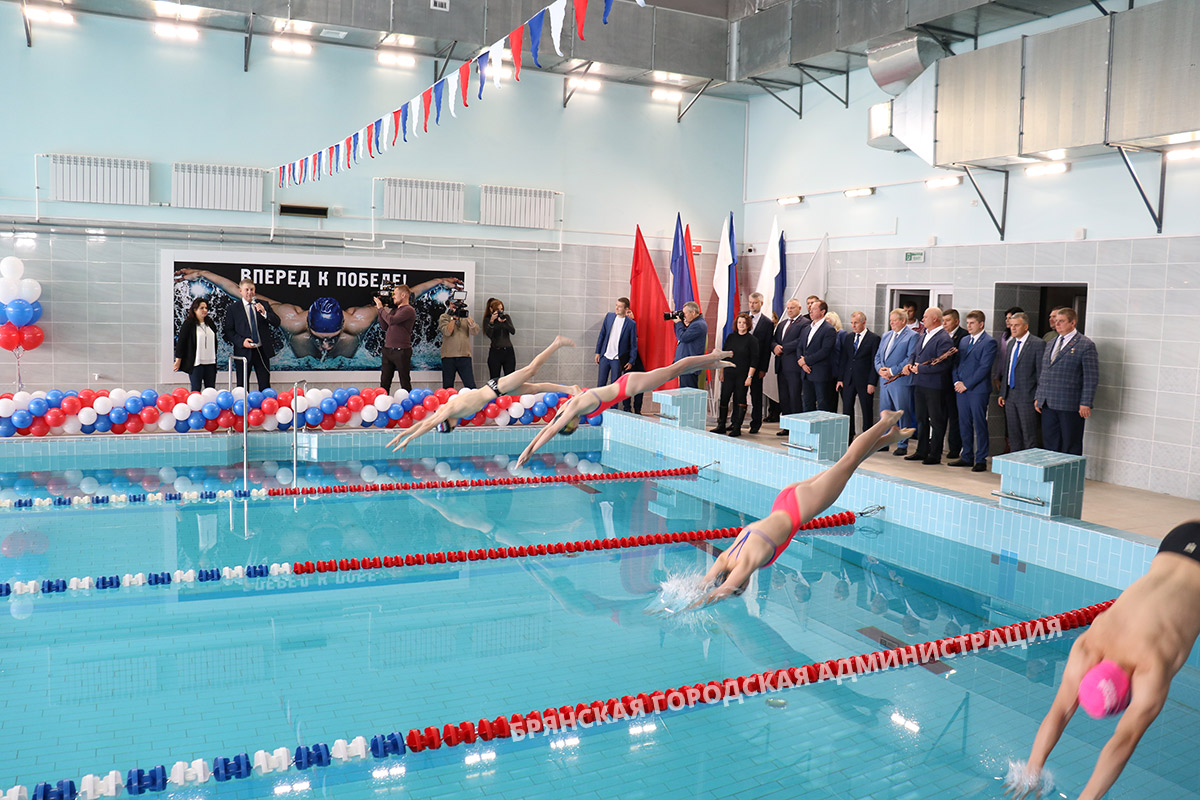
(246, 330)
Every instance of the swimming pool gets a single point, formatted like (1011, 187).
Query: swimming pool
(148, 675)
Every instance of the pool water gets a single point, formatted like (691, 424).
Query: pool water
(154, 675)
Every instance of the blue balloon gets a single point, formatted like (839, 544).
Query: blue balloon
(54, 398)
(196, 421)
(181, 426)
(395, 411)
(328, 405)
(313, 416)
(37, 312)
(255, 399)
(87, 428)
(19, 312)
(103, 476)
(3, 316)
(211, 411)
(225, 399)
(270, 393)
(239, 408)
(381, 421)
(118, 416)
(596, 420)
(134, 404)
(352, 390)
(407, 404)
(71, 392)
(22, 418)
(38, 407)
(103, 423)
(550, 399)
(7, 428)
(366, 424)
(527, 417)
(285, 426)
(120, 483)
(539, 409)
(197, 474)
(340, 396)
(149, 398)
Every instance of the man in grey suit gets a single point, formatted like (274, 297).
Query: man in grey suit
(1067, 388)
(1019, 377)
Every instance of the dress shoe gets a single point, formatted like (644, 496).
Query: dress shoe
(952, 455)
(931, 460)
(735, 432)
(781, 433)
(915, 457)
(959, 463)
(980, 467)
(720, 429)
(902, 452)
(882, 449)
(753, 431)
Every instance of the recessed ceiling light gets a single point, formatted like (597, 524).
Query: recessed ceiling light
(667, 95)
(790, 201)
(330, 33)
(944, 182)
(865, 191)
(391, 59)
(588, 84)
(1053, 168)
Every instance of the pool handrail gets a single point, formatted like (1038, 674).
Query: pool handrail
(296, 428)
(245, 415)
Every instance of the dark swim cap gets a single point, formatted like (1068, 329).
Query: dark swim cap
(325, 316)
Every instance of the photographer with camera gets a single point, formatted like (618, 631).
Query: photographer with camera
(691, 334)
(498, 327)
(457, 328)
(397, 323)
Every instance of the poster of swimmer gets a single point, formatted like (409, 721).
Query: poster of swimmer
(329, 331)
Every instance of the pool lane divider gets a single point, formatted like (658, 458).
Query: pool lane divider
(551, 720)
(348, 488)
(830, 525)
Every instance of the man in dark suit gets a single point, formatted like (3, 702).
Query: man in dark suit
(857, 377)
(950, 324)
(616, 346)
(1070, 373)
(787, 342)
(246, 328)
(972, 386)
(691, 334)
(1019, 377)
(817, 358)
(929, 388)
(762, 329)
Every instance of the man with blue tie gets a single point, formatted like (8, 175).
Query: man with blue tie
(1019, 380)
(246, 328)
(857, 376)
(816, 353)
(1070, 373)
(972, 387)
(616, 346)
(929, 387)
(787, 367)
(895, 388)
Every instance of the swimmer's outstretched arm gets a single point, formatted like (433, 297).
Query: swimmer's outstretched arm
(1149, 687)
(444, 412)
(576, 407)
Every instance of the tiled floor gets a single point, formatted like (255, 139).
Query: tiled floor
(1135, 510)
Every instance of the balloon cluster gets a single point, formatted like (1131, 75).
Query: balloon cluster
(120, 411)
(19, 307)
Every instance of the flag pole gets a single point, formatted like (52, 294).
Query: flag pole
(811, 260)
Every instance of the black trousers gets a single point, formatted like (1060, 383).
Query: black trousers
(953, 428)
(262, 369)
(733, 387)
(501, 361)
(791, 400)
(931, 420)
(396, 359)
(463, 366)
(1062, 431)
(756, 401)
(866, 404)
(819, 395)
(204, 376)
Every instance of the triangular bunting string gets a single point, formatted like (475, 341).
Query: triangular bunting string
(496, 59)
(451, 90)
(369, 135)
(415, 104)
(535, 34)
(558, 10)
(580, 15)
(482, 63)
(426, 102)
(464, 81)
(514, 44)
(404, 120)
(396, 124)
(439, 89)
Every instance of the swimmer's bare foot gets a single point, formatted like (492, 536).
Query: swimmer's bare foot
(895, 436)
(561, 341)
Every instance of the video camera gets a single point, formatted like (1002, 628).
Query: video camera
(673, 315)
(457, 307)
(385, 294)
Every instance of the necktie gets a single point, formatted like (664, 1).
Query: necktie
(253, 323)
(1012, 367)
(891, 341)
(1057, 350)
(857, 339)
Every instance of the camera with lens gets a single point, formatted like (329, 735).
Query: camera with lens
(457, 307)
(385, 294)
(673, 315)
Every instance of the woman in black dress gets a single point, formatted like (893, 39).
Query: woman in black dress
(736, 379)
(196, 347)
(498, 327)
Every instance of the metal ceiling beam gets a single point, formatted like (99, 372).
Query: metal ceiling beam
(845, 101)
(684, 109)
(439, 72)
(249, 38)
(1155, 214)
(568, 90)
(1105, 12)
(941, 41)
(28, 27)
(1001, 224)
(797, 110)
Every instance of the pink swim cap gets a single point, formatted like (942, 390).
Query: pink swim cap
(1104, 690)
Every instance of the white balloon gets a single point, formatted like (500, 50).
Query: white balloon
(183, 484)
(7, 407)
(167, 474)
(355, 419)
(72, 425)
(72, 476)
(501, 459)
(239, 393)
(103, 405)
(56, 430)
(271, 467)
(40, 394)
(299, 405)
(284, 475)
(9, 290)
(12, 267)
(209, 395)
(284, 415)
(180, 411)
(29, 289)
(326, 393)
(584, 466)
(400, 395)
(571, 460)
(270, 423)
(368, 474)
(87, 416)
(195, 401)
(527, 400)
(516, 410)
(118, 396)
(313, 396)
(89, 485)
(166, 422)
(442, 470)
(22, 399)
(383, 402)
(503, 419)
(369, 413)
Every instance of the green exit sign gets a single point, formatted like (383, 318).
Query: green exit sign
(915, 256)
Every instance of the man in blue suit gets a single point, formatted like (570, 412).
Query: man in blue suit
(929, 387)
(787, 369)
(616, 346)
(691, 335)
(857, 375)
(894, 353)
(817, 358)
(972, 386)
(1070, 373)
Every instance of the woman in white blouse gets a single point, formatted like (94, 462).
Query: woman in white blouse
(196, 347)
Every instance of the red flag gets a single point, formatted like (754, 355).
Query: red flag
(426, 102)
(464, 80)
(656, 336)
(691, 262)
(514, 42)
(580, 13)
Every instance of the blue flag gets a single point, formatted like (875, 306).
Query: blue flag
(438, 89)
(682, 277)
(780, 279)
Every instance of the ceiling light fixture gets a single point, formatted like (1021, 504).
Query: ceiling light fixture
(1042, 170)
(166, 8)
(291, 46)
(1056, 155)
(1183, 155)
(944, 182)
(790, 201)
(390, 59)
(185, 33)
(667, 95)
(589, 84)
(43, 14)
(866, 191)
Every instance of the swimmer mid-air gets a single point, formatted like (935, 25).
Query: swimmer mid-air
(760, 543)
(602, 398)
(1147, 635)
(471, 401)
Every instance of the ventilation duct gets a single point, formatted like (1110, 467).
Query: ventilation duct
(907, 122)
(896, 60)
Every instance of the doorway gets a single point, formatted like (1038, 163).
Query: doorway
(921, 296)
(1036, 300)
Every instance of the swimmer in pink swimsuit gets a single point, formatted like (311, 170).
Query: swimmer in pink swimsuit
(602, 398)
(760, 543)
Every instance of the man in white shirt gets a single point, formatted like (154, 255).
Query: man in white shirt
(616, 346)
(787, 342)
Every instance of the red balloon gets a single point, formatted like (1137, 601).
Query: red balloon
(478, 419)
(225, 418)
(256, 416)
(31, 337)
(504, 401)
(491, 411)
(10, 336)
(342, 414)
(391, 423)
(210, 425)
(406, 421)
(134, 424)
(55, 416)
(165, 403)
(149, 415)
(441, 395)
(120, 428)
(327, 422)
(86, 397)
(270, 405)
(150, 484)
(180, 394)
(431, 402)
(237, 423)
(285, 400)
(71, 404)
(6, 396)
(102, 393)
(40, 428)
(355, 402)
(418, 413)
(549, 415)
